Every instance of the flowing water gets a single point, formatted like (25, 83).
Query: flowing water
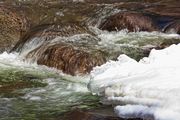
(143, 88)
(48, 94)
(30, 91)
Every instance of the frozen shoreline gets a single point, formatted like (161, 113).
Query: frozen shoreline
(146, 88)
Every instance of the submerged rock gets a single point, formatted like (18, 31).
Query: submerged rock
(13, 25)
(12, 80)
(132, 21)
(98, 114)
(164, 44)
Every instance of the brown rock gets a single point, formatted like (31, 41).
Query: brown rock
(173, 27)
(12, 26)
(69, 59)
(165, 11)
(129, 20)
(165, 8)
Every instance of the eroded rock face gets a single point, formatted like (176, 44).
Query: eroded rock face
(12, 26)
(173, 27)
(129, 20)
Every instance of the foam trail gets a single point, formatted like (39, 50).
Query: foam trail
(148, 88)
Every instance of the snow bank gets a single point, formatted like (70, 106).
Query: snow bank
(146, 89)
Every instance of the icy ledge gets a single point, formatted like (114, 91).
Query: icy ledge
(146, 89)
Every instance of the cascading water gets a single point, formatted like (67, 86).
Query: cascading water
(61, 92)
(51, 93)
(32, 91)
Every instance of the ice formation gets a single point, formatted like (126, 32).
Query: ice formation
(149, 88)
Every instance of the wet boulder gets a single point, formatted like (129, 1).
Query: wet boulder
(12, 25)
(173, 27)
(129, 20)
(68, 58)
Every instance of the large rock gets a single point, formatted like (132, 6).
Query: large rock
(68, 58)
(12, 27)
(129, 20)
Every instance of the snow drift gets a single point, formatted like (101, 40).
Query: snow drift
(149, 88)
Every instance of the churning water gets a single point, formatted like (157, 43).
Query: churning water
(41, 92)
(51, 93)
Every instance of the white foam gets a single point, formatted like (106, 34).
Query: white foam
(112, 37)
(35, 98)
(7, 59)
(151, 87)
(78, 0)
(124, 37)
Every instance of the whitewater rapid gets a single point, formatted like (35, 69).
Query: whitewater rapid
(149, 88)
(145, 89)
(61, 93)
